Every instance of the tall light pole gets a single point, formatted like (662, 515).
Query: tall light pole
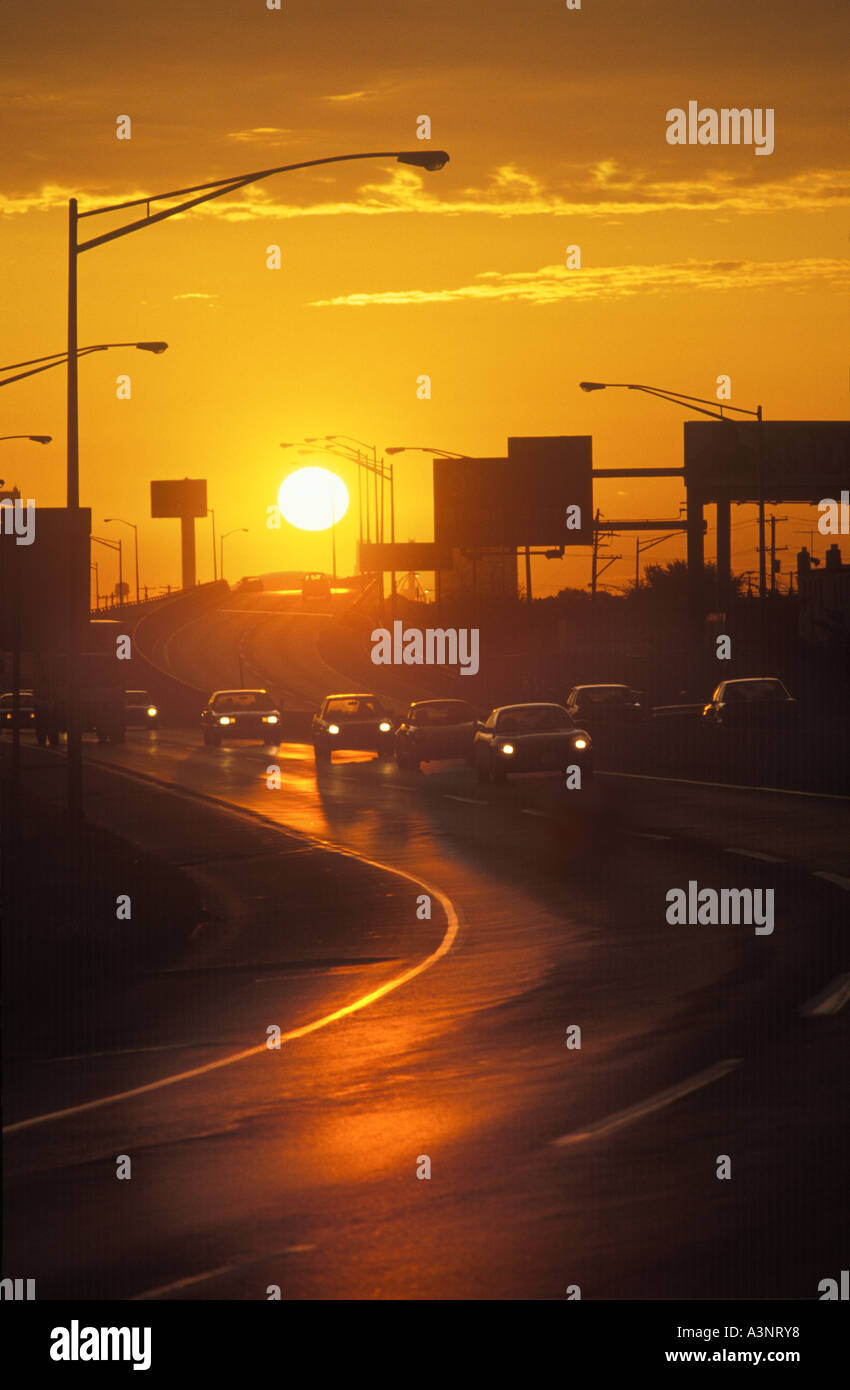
(211, 515)
(221, 544)
(117, 546)
(190, 197)
(108, 520)
(698, 404)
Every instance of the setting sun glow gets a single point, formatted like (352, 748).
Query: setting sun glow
(313, 499)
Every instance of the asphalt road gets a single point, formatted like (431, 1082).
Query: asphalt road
(551, 1166)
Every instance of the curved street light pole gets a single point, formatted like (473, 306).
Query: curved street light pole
(58, 359)
(232, 532)
(697, 403)
(122, 522)
(429, 159)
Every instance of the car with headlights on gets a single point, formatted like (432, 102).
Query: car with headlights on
(351, 722)
(240, 714)
(435, 729)
(26, 710)
(530, 738)
(140, 712)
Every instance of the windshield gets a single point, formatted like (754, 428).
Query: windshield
(242, 699)
(443, 713)
(533, 719)
(353, 707)
(755, 690)
(604, 695)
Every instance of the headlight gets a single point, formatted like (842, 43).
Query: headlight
(225, 719)
(269, 718)
(152, 711)
(333, 728)
(384, 727)
(507, 748)
(580, 743)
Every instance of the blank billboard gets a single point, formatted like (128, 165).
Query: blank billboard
(801, 460)
(179, 497)
(523, 499)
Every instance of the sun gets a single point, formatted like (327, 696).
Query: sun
(313, 499)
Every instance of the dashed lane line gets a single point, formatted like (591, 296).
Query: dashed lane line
(725, 786)
(659, 1101)
(830, 1000)
(754, 854)
(838, 879)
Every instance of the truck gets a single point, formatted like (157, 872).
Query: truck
(101, 681)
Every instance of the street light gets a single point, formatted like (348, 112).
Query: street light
(423, 449)
(58, 359)
(36, 438)
(204, 192)
(221, 546)
(114, 545)
(108, 520)
(697, 404)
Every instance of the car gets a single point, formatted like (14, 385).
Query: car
(750, 703)
(434, 729)
(249, 585)
(351, 721)
(530, 738)
(316, 585)
(26, 710)
(140, 710)
(604, 706)
(240, 714)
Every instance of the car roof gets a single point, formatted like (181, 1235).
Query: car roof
(751, 680)
(529, 704)
(353, 695)
(10, 694)
(238, 690)
(603, 685)
(446, 700)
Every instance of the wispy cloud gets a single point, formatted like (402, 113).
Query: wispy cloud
(261, 135)
(194, 294)
(601, 191)
(554, 283)
(350, 96)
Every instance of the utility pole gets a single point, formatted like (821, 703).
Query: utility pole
(594, 556)
(773, 549)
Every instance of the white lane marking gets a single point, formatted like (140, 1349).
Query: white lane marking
(830, 1000)
(182, 1283)
(274, 612)
(647, 835)
(529, 811)
(656, 1102)
(754, 854)
(724, 786)
(215, 1273)
(838, 879)
(449, 937)
(467, 800)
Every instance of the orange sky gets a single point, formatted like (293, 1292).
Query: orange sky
(696, 261)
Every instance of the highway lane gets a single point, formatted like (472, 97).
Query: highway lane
(313, 1185)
